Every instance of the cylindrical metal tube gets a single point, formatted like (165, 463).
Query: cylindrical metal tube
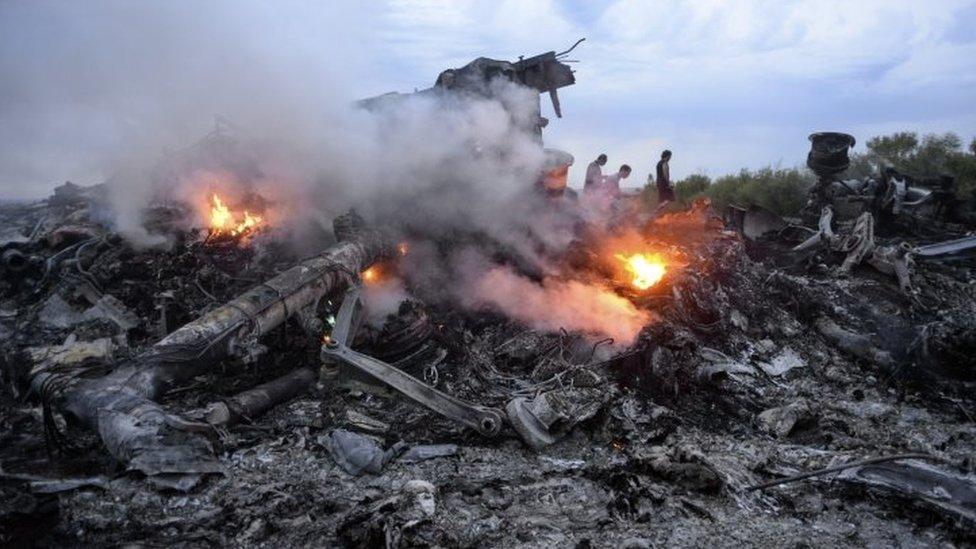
(255, 402)
(267, 305)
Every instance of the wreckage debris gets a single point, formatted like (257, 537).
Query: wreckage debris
(358, 454)
(860, 246)
(486, 421)
(950, 494)
(424, 452)
(629, 449)
(252, 403)
(224, 358)
(121, 406)
(838, 468)
(781, 422)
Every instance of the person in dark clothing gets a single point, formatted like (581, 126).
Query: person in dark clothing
(665, 190)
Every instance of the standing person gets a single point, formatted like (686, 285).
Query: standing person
(594, 174)
(665, 190)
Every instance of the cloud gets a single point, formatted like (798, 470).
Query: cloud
(725, 84)
(747, 39)
(740, 84)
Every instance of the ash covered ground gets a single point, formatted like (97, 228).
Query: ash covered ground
(757, 365)
(213, 349)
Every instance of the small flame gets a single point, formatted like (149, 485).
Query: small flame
(371, 274)
(220, 216)
(647, 269)
(250, 222)
(403, 248)
(224, 220)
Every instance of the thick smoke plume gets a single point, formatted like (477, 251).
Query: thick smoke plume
(554, 304)
(437, 167)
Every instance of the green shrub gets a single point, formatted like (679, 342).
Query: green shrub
(649, 195)
(930, 156)
(691, 187)
(783, 191)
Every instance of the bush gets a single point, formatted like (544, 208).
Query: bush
(685, 191)
(930, 156)
(691, 187)
(963, 167)
(783, 191)
(648, 195)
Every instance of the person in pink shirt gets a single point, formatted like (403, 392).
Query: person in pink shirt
(611, 183)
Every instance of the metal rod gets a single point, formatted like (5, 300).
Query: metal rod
(835, 468)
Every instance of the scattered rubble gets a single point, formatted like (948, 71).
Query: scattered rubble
(359, 454)
(781, 422)
(654, 445)
(227, 391)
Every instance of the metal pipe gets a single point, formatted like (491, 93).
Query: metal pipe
(255, 402)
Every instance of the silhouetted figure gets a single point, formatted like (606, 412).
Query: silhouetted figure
(665, 190)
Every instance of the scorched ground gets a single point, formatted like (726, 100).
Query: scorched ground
(744, 372)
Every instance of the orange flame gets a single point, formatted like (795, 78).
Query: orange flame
(220, 216)
(250, 222)
(224, 220)
(371, 274)
(647, 269)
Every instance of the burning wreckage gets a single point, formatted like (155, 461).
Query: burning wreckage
(751, 379)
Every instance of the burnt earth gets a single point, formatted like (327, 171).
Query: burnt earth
(733, 385)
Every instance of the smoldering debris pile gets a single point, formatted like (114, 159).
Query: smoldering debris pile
(752, 370)
(532, 369)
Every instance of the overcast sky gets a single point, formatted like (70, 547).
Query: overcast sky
(724, 84)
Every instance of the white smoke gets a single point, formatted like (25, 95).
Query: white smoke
(440, 167)
(553, 304)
